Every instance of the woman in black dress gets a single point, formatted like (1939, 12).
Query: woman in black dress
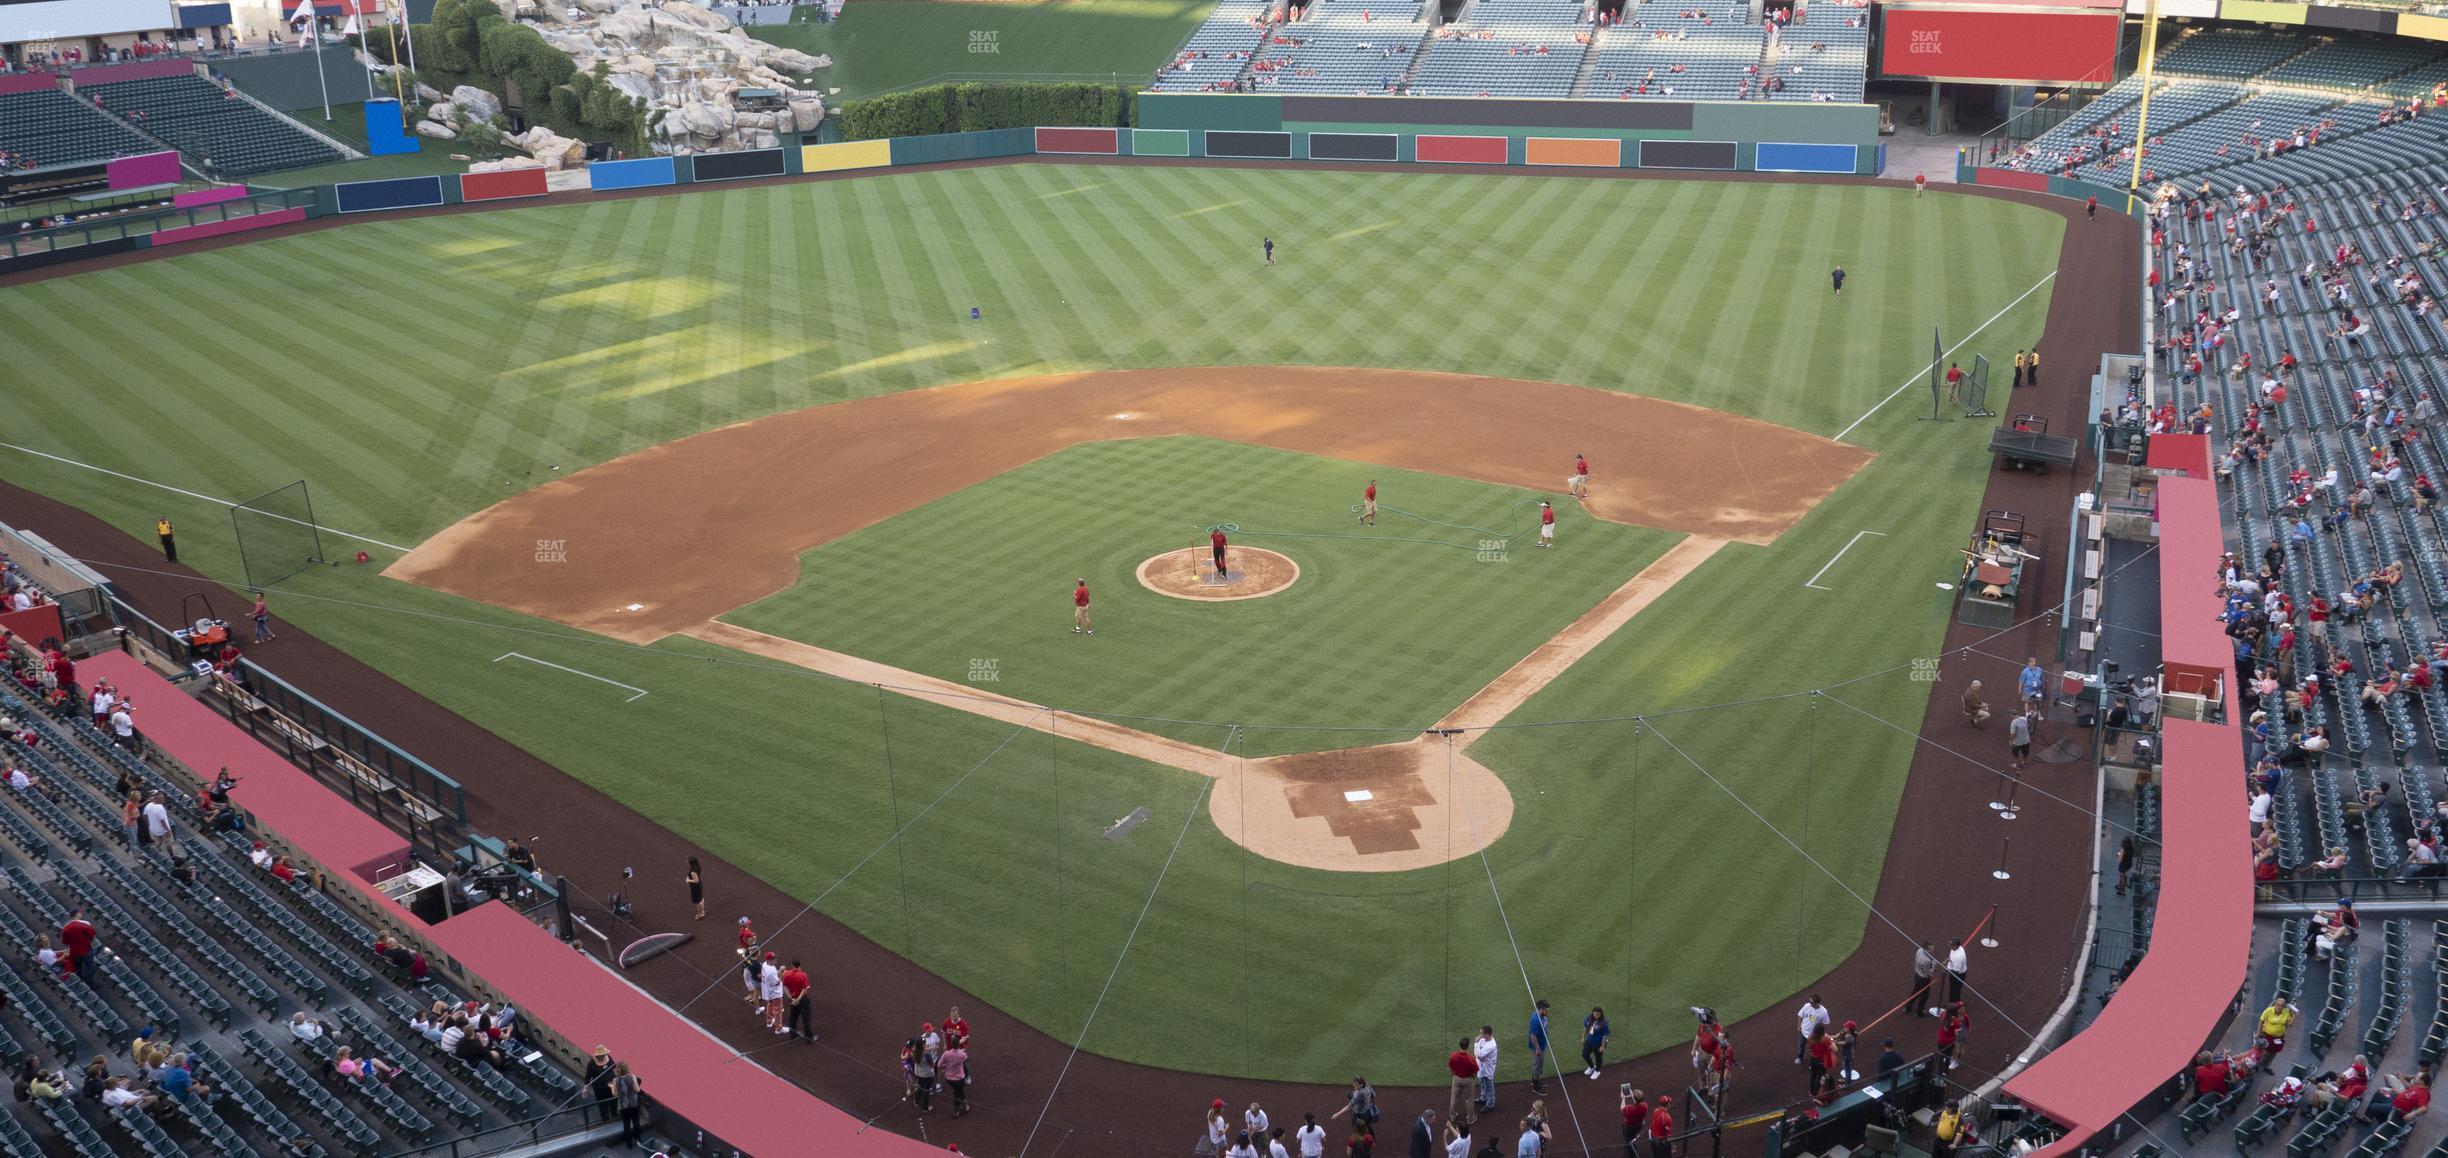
(696, 883)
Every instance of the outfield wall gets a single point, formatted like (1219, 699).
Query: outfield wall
(1659, 136)
(1723, 136)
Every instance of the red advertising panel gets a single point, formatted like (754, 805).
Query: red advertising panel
(1461, 150)
(501, 183)
(2000, 43)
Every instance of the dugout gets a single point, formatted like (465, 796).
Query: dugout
(82, 592)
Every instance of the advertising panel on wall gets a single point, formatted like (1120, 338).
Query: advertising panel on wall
(2264, 11)
(641, 173)
(1354, 147)
(1226, 143)
(67, 19)
(1690, 155)
(1776, 157)
(2176, 9)
(1991, 43)
(1457, 150)
(396, 193)
(1093, 141)
(735, 166)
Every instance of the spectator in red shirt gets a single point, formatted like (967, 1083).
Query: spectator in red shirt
(2409, 1096)
(1463, 1103)
(1951, 1029)
(77, 936)
(2215, 1075)
(1635, 1119)
(801, 1022)
(1822, 1053)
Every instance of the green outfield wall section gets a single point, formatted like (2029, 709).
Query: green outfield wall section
(963, 146)
(1159, 142)
(1238, 111)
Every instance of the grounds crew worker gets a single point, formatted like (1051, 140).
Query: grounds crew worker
(169, 538)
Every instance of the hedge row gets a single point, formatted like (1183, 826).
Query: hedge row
(965, 108)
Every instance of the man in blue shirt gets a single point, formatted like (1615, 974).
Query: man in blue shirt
(2033, 682)
(1538, 1048)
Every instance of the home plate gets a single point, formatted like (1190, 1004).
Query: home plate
(1359, 795)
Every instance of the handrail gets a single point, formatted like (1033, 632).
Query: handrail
(572, 1122)
(410, 776)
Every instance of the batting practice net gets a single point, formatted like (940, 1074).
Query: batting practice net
(277, 536)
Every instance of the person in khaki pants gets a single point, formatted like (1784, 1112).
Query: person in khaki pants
(1079, 610)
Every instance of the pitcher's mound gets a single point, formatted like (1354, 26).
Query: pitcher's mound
(1252, 573)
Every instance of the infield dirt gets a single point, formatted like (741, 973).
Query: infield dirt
(743, 502)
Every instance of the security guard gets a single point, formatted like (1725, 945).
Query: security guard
(169, 538)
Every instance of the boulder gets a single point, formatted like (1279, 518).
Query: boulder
(429, 94)
(505, 163)
(629, 24)
(704, 18)
(790, 60)
(758, 138)
(553, 149)
(635, 87)
(603, 6)
(438, 132)
(705, 120)
(753, 120)
(476, 103)
(806, 115)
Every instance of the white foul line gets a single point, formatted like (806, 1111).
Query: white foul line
(573, 671)
(1967, 340)
(194, 495)
(1813, 581)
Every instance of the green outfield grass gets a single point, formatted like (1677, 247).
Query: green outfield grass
(493, 347)
(884, 45)
(998, 559)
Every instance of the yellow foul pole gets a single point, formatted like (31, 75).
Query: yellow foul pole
(2150, 50)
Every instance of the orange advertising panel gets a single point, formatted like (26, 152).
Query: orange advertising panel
(1590, 152)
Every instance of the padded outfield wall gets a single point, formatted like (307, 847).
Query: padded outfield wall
(1723, 136)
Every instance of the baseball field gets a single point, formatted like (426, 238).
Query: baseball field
(726, 504)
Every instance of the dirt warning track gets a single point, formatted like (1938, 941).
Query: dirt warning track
(740, 504)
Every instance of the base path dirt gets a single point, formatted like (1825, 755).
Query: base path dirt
(1250, 573)
(743, 502)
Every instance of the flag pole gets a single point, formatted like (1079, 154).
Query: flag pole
(407, 32)
(312, 39)
(391, 31)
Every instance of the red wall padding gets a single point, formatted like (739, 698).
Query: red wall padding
(501, 183)
(1078, 141)
(1462, 150)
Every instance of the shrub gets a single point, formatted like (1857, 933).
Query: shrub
(966, 108)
